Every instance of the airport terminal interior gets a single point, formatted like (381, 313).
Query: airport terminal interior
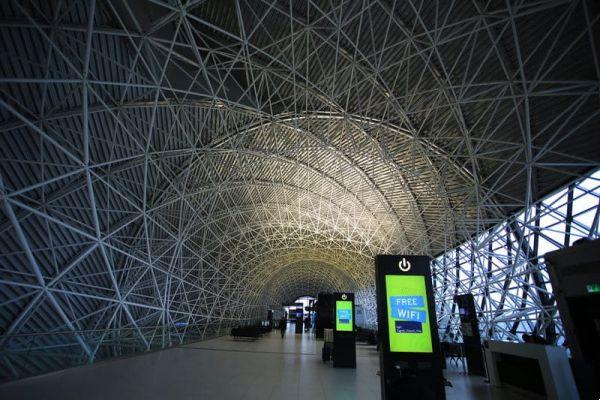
(305, 199)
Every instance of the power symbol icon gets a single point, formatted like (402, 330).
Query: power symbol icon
(404, 265)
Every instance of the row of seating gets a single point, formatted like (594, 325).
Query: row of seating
(250, 331)
(368, 336)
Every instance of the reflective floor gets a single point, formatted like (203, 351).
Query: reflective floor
(270, 368)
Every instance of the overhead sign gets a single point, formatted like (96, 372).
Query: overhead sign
(408, 320)
(343, 316)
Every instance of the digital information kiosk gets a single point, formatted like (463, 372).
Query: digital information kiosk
(575, 277)
(409, 352)
(299, 317)
(344, 335)
(469, 326)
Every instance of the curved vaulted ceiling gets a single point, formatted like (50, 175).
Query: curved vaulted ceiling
(168, 162)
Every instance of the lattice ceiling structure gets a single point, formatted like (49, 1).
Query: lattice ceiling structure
(174, 163)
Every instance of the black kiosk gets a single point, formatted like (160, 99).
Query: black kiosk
(344, 334)
(409, 351)
(575, 277)
(299, 317)
(469, 326)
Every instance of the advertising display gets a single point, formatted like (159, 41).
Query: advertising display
(409, 329)
(344, 336)
(299, 317)
(299, 310)
(343, 316)
(409, 349)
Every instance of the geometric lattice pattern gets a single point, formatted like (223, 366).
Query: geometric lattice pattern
(170, 168)
(505, 271)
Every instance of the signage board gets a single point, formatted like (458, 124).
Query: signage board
(343, 316)
(409, 345)
(408, 329)
(344, 337)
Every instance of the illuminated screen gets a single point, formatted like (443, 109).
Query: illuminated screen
(299, 310)
(593, 288)
(343, 316)
(408, 321)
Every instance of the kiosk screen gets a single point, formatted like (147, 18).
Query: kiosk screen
(343, 316)
(408, 320)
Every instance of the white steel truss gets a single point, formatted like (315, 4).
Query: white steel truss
(505, 271)
(170, 168)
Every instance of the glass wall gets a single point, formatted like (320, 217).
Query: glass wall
(504, 267)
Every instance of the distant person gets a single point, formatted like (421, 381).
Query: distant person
(282, 326)
(306, 324)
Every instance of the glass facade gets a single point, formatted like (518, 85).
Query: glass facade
(504, 266)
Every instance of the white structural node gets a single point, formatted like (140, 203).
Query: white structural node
(170, 168)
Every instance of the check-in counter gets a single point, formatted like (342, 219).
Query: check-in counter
(540, 369)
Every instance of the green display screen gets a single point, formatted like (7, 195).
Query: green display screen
(343, 316)
(593, 288)
(408, 320)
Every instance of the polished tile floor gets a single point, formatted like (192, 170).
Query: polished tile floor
(270, 368)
